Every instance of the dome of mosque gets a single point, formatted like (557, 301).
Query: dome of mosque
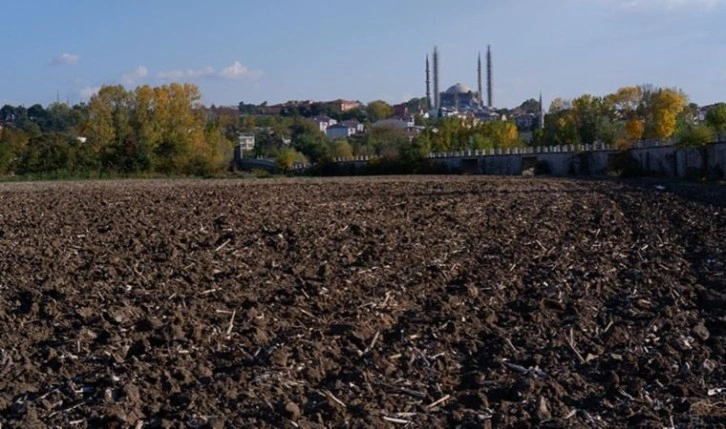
(458, 89)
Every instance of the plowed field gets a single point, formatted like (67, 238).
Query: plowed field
(421, 302)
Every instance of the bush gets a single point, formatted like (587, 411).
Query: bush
(287, 158)
(695, 136)
(261, 174)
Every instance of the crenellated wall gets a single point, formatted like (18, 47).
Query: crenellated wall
(649, 158)
(591, 160)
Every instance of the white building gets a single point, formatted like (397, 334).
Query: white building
(339, 131)
(344, 130)
(359, 128)
(246, 141)
(323, 122)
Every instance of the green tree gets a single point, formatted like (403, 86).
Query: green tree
(46, 153)
(359, 114)
(716, 118)
(287, 159)
(341, 149)
(108, 126)
(530, 106)
(694, 135)
(308, 140)
(12, 145)
(378, 110)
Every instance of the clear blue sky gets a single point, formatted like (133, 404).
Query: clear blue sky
(277, 50)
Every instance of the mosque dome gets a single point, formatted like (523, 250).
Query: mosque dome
(458, 89)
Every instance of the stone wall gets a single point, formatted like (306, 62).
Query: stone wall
(591, 160)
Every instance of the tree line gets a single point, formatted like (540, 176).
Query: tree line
(631, 114)
(148, 130)
(166, 130)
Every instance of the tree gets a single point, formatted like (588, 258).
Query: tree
(247, 109)
(147, 134)
(108, 124)
(456, 134)
(716, 118)
(267, 144)
(416, 105)
(385, 141)
(662, 112)
(47, 153)
(558, 105)
(378, 110)
(634, 129)
(503, 134)
(163, 129)
(12, 145)
(530, 106)
(694, 135)
(341, 149)
(626, 100)
(560, 128)
(359, 114)
(593, 117)
(288, 157)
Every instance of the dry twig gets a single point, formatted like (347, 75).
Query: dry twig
(439, 401)
(231, 322)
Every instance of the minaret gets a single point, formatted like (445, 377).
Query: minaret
(437, 96)
(478, 81)
(428, 85)
(541, 113)
(489, 76)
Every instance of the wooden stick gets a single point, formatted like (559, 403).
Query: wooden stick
(306, 312)
(414, 393)
(231, 322)
(571, 343)
(222, 245)
(439, 401)
(509, 343)
(69, 408)
(395, 420)
(330, 395)
(373, 343)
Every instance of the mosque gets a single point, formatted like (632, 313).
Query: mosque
(459, 98)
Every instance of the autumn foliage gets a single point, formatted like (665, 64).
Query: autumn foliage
(159, 129)
(630, 114)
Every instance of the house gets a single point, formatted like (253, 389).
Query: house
(403, 124)
(323, 122)
(359, 128)
(246, 141)
(525, 121)
(343, 105)
(399, 123)
(400, 109)
(339, 131)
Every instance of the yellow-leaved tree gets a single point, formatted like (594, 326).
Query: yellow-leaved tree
(504, 134)
(626, 100)
(662, 112)
(162, 129)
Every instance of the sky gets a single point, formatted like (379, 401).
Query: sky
(278, 50)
